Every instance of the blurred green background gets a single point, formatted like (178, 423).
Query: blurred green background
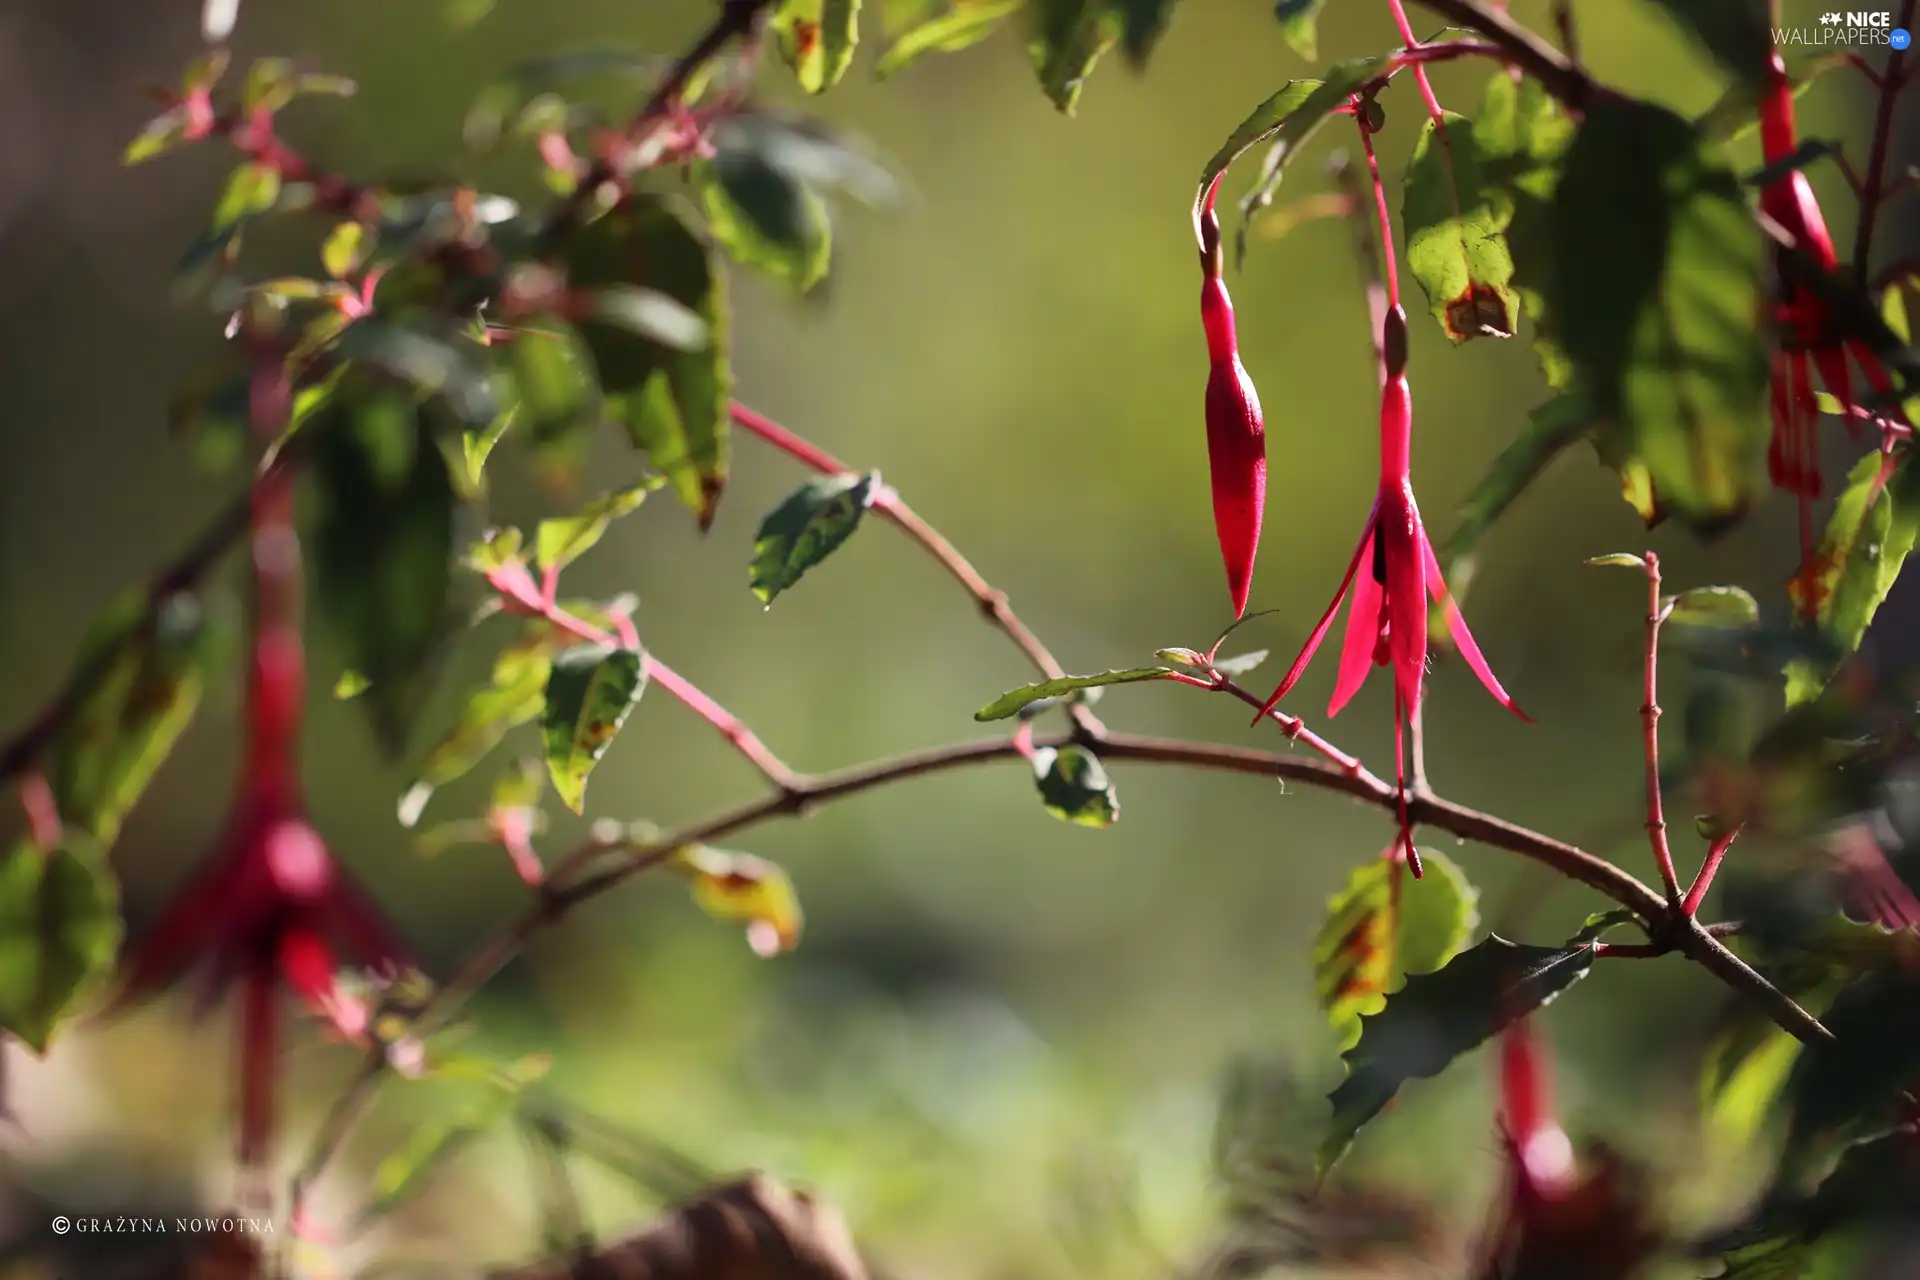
(993, 1014)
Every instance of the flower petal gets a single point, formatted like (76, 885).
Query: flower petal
(1403, 539)
(1463, 638)
(1363, 628)
(1326, 621)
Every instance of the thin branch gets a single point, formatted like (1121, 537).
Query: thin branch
(1650, 722)
(992, 603)
(1697, 892)
(1554, 70)
(1891, 82)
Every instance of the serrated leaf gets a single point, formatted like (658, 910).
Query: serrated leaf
(673, 404)
(590, 692)
(1715, 607)
(1010, 702)
(1455, 228)
(1300, 26)
(559, 542)
(1074, 786)
(817, 39)
(383, 544)
(961, 25)
(59, 933)
(128, 718)
(1355, 957)
(807, 528)
(1436, 1017)
(1872, 530)
(764, 218)
(1734, 32)
(1522, 136)
(1068, 38)
(515, 694)
(739, 886)
(1657, 289)
(1550, 429)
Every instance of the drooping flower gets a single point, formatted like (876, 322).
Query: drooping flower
(1387, 623)
(1807, 341)
(272, 908)
(1236, 431)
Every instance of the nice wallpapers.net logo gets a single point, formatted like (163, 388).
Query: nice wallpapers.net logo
(1846, 29)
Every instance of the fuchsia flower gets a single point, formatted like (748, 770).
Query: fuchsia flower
(1387, 624)
(1236, 429)
(272, 907)
(1793, 453)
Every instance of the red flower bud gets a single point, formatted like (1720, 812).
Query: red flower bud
(1236, 432)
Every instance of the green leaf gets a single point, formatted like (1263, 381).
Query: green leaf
(1840, 1086)
(1550, 429)
(1300, 26)
(960, 25)
(520, 787)
(429, 1148)
(251, 190)
(1290, 117)
(1657, 283)
(437, 364)
(1522, 136)
(59, 932)
(674, 404)
(1240, 664)
(739, 886)
(817, 39)
(1715, 607)
(1074, 787)
(515, 694)
(1010, 702)
(561, 541)
(349, 686)
(345, 247)
(1355, 959)
(764, 218)
(1734, 32)
(477, 446)
(590, 693)
(127, 718)
(1068, 37)
(1745, 1082)
(1437, 1017)
(1455, 227)
(807, 528)
(1616, 560)
(554, 393)
(383, 544)
(161, 134)
(1142, 23)
(1873, 528)
(651, 314)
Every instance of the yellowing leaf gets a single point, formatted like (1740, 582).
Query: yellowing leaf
(739, 886)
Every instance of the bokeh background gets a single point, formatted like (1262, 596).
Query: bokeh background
(999, 1047)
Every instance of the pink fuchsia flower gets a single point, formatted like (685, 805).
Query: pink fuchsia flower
(1387, 623)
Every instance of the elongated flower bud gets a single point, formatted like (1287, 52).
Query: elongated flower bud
(1236, 432)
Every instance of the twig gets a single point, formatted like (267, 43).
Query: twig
(1554, 70)
(1716, 851)
(1891, 82)
(1650, 721)
(992, 603)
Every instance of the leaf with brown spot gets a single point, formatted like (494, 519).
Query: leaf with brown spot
(590, 692)
(1456, 234)
(1356, 957)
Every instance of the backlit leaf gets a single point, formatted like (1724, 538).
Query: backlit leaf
(817, 39)
(1300, 25)
(514, 694)
(1438, 1016)
(1068, 37)
(563, 540)
(590, 692)
(1455, 228)
(807, 528)
(764, 218)
(960, 24)
(59, 933)
(739, 886)
(1074, 786)
(1355, 957)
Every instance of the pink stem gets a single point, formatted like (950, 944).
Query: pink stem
(1419, 69)
(1650, 722)
(1704, 881)
(1380, 205)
